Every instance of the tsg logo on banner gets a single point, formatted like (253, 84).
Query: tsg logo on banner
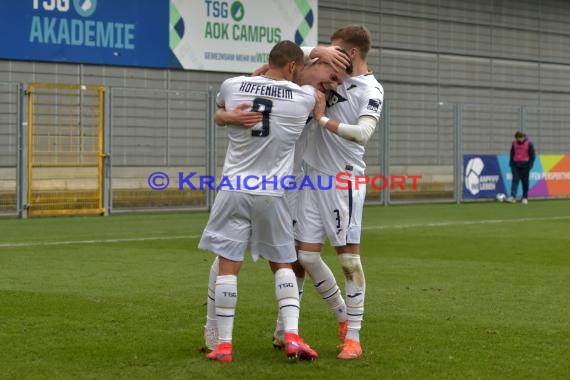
(236, 36)
(47, 29)
(84, 8)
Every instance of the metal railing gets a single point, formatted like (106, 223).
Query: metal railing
(172, 132)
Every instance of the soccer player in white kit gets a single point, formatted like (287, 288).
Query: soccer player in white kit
(253, 211)
(323, 74)
(337, 145)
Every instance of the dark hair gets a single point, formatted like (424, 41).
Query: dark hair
(357, 36)
(284, 52)
(519, 134)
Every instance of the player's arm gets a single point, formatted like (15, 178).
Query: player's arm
(239, 116)
(333, 55)
(359, 133)
(261, 70)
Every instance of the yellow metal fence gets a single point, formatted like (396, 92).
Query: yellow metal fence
(65, 149)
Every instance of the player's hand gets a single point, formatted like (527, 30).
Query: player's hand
(320, 104)
(243, 117)
(260, 71)
(332, 55)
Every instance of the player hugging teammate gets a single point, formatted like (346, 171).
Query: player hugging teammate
(342, 124)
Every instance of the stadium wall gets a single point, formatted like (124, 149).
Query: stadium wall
(506, 63)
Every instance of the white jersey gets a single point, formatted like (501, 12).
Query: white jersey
(357, 96)
(259, 158)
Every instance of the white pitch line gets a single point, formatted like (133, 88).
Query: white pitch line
(69, 242)
(466, 223)
(385, 227)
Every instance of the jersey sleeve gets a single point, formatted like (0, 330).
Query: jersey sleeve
(371, 102)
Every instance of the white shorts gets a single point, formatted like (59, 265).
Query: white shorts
(239, 220)
(292, 198)
(334, 214)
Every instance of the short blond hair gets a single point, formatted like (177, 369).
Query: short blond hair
(357, 36)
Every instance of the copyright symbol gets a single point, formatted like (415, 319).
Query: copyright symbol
(158, 181)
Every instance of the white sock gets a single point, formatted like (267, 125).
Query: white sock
(211, 304)
(287, 296)
(355, 291)
(300, 286)
(324, 282)
(279, 329)
(226, 300)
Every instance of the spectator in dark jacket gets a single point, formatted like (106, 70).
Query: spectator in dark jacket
(522, 159)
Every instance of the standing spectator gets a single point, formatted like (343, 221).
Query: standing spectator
(522, 159)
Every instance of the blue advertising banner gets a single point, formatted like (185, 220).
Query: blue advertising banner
(482, 176)
(114, 32)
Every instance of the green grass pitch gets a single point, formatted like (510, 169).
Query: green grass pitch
(472, 291)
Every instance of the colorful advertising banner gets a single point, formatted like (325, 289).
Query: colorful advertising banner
(237, 36)
(487, 175)
(114, 32)
(229, 36)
